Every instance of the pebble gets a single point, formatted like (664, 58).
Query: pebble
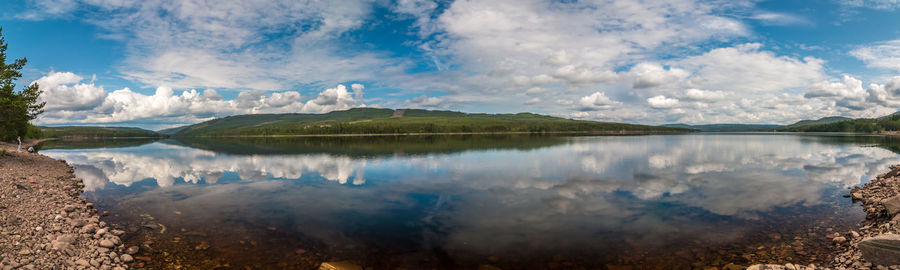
(43, 217)
(107, 243)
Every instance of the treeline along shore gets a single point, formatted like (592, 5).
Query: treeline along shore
(44, 224)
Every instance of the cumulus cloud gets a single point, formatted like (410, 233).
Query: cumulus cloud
(887, 94)
(190, 106)
(582, 75)
(662, 102)
(647, 75)
(596, 101)
(748, 68)
(848, 87)
(703, 95)
(65, 91)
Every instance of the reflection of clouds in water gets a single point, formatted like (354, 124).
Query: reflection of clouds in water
(502, 196)
(164, 164)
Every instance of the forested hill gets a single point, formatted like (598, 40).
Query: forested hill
(97, 132)
(860, 125)
(402, 121)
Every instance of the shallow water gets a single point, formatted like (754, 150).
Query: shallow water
(672, 201)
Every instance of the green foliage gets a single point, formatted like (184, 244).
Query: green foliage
(861, 125)
(97, 132)
(33, 132)
(17, 108)
(383, 121)
(820, 121)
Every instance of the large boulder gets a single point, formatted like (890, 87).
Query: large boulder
(881, 250)
(892, 205)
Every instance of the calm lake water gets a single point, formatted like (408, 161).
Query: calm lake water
(515, 202)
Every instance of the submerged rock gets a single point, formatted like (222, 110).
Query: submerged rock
(344, 265)
(132, 250)
(881, 250)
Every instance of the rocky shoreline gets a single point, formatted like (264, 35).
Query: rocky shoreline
(44, 224)
(876, 243)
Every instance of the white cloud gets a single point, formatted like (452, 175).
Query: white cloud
(495, 55)
(884, 55)
(596, 101)
(875, 4)
(887, 94)
(64, 91)
(92, 105)
(283, 99)
(424, 102)
(848, 87)
(256, 44)
(662, 102)
(533, 101)
(704, 95)
(774, 18)
(747, 68)
(582, 75)
(648, 75)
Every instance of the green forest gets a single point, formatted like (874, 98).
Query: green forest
(387, 121)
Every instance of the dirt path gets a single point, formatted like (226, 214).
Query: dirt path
(43, 222)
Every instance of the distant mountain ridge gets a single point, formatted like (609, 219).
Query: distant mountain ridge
(888, 123)
(726, 127)
(361, 121)
(823, 120)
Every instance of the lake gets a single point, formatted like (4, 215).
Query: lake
(514, 202)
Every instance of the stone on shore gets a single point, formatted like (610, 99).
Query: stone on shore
(892, 205)
(881, 250)
(107, 243)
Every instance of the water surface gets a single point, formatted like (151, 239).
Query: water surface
(670, 201)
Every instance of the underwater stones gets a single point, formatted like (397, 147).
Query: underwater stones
(343, 265)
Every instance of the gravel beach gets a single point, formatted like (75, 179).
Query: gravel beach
(44, 224)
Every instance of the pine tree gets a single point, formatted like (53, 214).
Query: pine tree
(16, 108)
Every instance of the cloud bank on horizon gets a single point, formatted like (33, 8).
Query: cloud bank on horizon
(160, 63)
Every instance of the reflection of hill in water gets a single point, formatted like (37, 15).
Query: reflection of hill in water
(369, 146)
(93, 144)
(891, 143)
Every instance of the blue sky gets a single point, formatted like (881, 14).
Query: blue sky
(162, 63)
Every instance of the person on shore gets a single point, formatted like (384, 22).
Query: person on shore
(31, 149)
(19, 148)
